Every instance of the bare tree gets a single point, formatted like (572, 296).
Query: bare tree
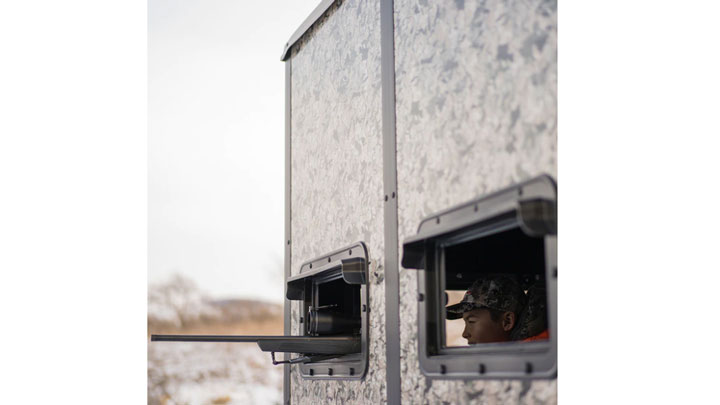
(178, 301)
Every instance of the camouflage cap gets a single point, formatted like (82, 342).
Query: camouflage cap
(498, 292)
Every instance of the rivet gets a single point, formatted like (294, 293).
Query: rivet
(421, 297)
(476, 208)
(443, 369)
(330, 371)
(350, 251)
(393, 194)
(519, 191)
(352, 371)
(482, 369)
(312, 372)
(386, 197)
(301, 319)
(288, 241)
(364, 308)
(555, 272)
(528, 368)
(437, 220)
(311, 265)
(328, 260)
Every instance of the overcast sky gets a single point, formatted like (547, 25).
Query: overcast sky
(216, 142)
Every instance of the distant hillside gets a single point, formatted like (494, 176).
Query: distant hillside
(178, 306)
(241, 310)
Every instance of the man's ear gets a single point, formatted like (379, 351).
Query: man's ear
(508, 321)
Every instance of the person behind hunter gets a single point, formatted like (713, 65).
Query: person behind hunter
(490, 309)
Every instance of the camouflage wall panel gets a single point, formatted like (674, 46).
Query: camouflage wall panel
(476, 94)
(337, 189)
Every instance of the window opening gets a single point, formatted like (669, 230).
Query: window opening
(337, 309)
(487, 285)
(487, 277)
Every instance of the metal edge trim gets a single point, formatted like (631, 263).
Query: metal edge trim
(315, 15)
(288, 200)
(392, 286)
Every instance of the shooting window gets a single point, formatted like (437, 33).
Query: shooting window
(333, 293)
(334, 343)
(490, 265)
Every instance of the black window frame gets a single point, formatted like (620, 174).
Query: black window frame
(349, 264)
(530, 206)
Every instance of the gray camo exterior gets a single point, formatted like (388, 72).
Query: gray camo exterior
(336, 166)
(476, 110)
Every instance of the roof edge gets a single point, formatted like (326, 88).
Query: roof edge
(318, 12)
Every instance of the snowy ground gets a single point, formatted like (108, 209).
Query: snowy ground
(188, 373)
(211, 373)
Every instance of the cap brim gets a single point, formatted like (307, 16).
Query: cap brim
(455, 311)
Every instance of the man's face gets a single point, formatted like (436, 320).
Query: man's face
(480, 328)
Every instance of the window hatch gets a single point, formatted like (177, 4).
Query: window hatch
(334, 324)
(487, 285)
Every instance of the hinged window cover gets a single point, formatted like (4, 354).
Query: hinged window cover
(351, 268)
(531, 203)
(527, 208)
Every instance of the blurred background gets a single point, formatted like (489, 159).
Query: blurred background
(216, 194)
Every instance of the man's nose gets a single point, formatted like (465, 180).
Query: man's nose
(465, 333)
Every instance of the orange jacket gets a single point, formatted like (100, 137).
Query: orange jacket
(544, 335)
